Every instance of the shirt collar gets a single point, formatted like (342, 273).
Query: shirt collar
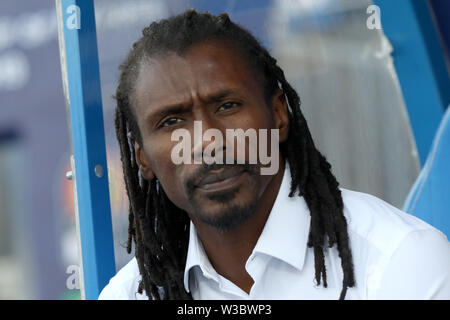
(284, 235)
(196, 256)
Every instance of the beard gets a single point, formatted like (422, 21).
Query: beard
(232, 211)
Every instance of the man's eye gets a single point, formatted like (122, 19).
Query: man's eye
(169, 122)
(227, 106)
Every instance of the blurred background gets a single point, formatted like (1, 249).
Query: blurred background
(342, 70)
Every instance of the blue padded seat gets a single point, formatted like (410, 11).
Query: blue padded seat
(429, 198)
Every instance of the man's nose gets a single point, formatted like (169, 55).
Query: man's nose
(207, 138)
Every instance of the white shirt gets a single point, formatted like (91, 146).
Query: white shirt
(395, 256)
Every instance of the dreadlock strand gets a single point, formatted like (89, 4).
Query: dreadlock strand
(323, 221)
(131, 230)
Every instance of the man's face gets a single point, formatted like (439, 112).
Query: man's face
(211, 83)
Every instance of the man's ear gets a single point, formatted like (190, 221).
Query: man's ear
(280, 111)
(142, 161)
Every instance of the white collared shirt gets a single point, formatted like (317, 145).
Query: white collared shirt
(395, 256)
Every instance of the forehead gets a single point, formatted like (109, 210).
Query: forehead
(203, 70)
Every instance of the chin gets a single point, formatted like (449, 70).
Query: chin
(230, 206)
(226, 211)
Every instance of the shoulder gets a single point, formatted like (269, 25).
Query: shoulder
(397, 255)
(124, 285)
(381, 224)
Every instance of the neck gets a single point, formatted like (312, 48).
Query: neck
(229, 250)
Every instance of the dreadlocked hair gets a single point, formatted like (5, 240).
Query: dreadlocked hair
(159, 229)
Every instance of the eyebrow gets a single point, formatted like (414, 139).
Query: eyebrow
(181, 108)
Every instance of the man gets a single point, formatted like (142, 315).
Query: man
(226, 231)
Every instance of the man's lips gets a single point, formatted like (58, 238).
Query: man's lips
(217, 178)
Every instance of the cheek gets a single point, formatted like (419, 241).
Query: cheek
(261, 119)
(159, 159)
(168, 173)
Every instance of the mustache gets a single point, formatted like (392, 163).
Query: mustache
(205, 168)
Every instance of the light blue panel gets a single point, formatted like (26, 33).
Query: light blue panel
(419, 64)
(88, 140)
(429, 199)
